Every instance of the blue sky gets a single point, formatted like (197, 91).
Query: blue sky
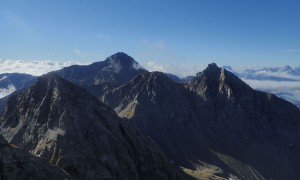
(231, 32)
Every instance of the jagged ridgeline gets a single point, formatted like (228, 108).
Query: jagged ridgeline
(215, 123)
(65, 125)
(212, 125)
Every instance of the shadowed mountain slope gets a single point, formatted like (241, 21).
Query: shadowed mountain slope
(15, 163)
(61, 122)
(215, 119)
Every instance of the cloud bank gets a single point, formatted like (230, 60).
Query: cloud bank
(35, 68)
(7, 91)
(289, 90)
(181, 70)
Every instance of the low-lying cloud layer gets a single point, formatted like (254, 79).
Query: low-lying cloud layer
(282, 81)
(180, 70)
(289, 90)
(35, 68)
(7, 91)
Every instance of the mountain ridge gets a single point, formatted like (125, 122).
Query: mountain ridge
(61, 122)
(220, 111)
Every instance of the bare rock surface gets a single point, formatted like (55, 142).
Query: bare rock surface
(63, 123)
(215, 119)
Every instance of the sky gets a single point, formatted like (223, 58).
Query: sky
(157, 33)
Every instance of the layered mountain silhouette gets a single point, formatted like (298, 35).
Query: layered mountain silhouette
(213, 125)
(215, 120)
(62, 123)
(101, 76)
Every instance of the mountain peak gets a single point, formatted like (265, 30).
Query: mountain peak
(210, 70)
(213, 65)
(121, 62)
(214, 80)
(101, 76)
(122, 59)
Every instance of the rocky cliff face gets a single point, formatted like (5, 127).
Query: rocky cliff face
(61, 122)
(16, 163)
(101, 76)
(215, 119)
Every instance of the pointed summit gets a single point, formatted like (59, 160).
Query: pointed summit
(121, 58)
(214, 80)
(102, 76)
(121, 63)
(211, 69)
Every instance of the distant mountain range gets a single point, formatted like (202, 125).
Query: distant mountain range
(284, 80)
(115, 120)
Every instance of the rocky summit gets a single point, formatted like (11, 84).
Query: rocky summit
(69, 128)
(215, 123)
(102, 76)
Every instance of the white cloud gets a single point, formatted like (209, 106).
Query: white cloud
(273, 85)
(281, 72)
(137, 66)
(181, 70)
(32, 67)
(289, 90)
(7, 91)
